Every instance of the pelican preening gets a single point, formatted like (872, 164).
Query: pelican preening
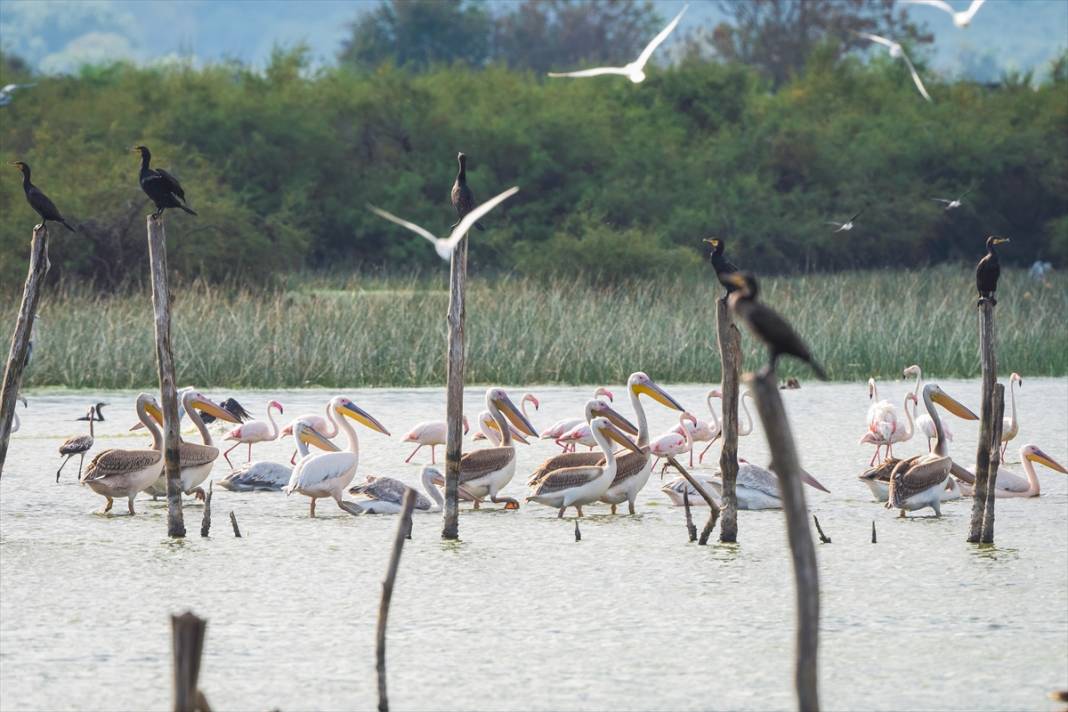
(445, 246)
(254, 431)
(328, 474)
(1010, 424)
(960, 19)
(123, 473)
(273, 476)
(578, 486)
(160, 186)
(896, 51)
(756, 487)
(484, 473)
(988, 271)
(432, 433)
(635, 71)
(385, 495)
(917, 482)
(78, 445)
(1011, 484)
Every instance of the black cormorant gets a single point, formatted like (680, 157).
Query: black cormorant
(767, 325)
(38, 200)
(95, 413)
(160, 186)
(988, 270)
(462, 197)
(721, 264)
(231, 406)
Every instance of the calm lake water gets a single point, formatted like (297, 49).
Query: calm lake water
(518, 615)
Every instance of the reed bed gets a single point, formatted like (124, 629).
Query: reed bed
(380, 331)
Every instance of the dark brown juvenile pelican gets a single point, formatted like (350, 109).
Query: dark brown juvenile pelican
(721, 264)
(78, 445)
(38, 200)
(160, 186)
(462, 197)
(767, 325)
(988, 270)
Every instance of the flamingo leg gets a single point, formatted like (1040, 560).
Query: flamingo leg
(311, 511)
(129, 505)
(409, 458)
(293, 459)
(227, 455)
(80, 463)
(433, 455)
(691, 457)
(64, 465)
(702, 456)
(249, 452)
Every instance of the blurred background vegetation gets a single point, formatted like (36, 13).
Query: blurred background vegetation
(758, 131)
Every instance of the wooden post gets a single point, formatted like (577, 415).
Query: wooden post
(998, 421)
(730, 356)
(20, 340)
(161, 306)
(187, 643)
(787, 468)
(205, 521)
(454, 409)
(824, 539)
(713, 508)
(691, 528)
(874, 538)
(233, 523)
(403, 527)
(988, 362)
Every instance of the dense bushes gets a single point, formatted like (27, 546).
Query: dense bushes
(616, 179)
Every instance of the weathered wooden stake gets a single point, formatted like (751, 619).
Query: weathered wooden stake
(824, 539)
(454, 409)
(998, 416)
(691, 528)
(730, 356)
(233, 523)
(874, 539)
(20, 340)
(713, 508)
(787, 468)
(403, 527)
(161, 306)
(988, 363)
(187, 643)
(205, 522)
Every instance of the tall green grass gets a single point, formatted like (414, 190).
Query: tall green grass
(377, 331)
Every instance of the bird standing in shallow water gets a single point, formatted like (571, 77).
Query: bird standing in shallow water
(721, 264)
(767, 325)
(988, 270)
(78, 445)
(159, 185)
(462, 197)
(38, 200)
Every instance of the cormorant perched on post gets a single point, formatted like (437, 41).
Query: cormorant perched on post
(159, 185)
(462, 197)
(767, 325)
(988, 270)
(38, 200)
(721, 264)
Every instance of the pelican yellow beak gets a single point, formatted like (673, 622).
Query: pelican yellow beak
(311, 436)
(1044, 459)
(606, 411)
(206, 406)
(658, 394)
(953, 406)
(361, 416)
(154, 411)
(614, 433)
(507, 407)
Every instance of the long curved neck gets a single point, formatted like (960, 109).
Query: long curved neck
(270, 419)
(748, 415)
(908, 417)
(643, 423)
(91, 416)
(608, 469)
(502, 422)
(145, 158)
(197, 421)
(332, 419)
(157, 436)
(350, 433)
(715, 415)
(1012, 396)
(874, 392)
(1032, 477)
(919, 380)
(940, 448)
(432, 491)
(26, 184)
(461, 175)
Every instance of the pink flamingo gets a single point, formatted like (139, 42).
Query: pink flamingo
(556, 431)
(673, 442)
(254, 431)
(432, 433)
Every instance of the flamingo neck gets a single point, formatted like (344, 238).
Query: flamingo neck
(908, 417)
(1012, 397)
(197, 421)
(715, 416)
(748, 415)
(330, 418)
(270, 419)
(432, 491)
(643, 423)
(919, 380)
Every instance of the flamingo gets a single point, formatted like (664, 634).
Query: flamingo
(432, 433)
(897, 436)
(254, 431)
(1010, 424)
(673, 442)
(555, 431)
(882, 421)
(923, 421)
(325, 426)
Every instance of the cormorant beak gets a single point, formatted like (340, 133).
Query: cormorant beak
(953, 406)
(1044, 459)
(507, 407)
(812, 481)
(658, 394)
(613, 433)
(206, 406)
(714, 242)
(361, 416)
(606, 411)
(311, 436)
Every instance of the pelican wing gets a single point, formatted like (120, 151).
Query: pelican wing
(881, 472)
(387, 489)
(916, 77)
(479, 463)
(567, 478)
(1011, 482)
(757, 478)
(940, 4)
(643, 58)
(475, 215)
(111, 463)
(914, 475)
(75, 445)
(417, 229)
(567, 459)
(317, 469)
(194, 454)
(628, 466)
(595, 72)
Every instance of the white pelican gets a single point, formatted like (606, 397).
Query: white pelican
(955, 203)
(445, 246)
(77, 445)
(432, 433)
(489, 430)
(557, 430)
(578, 486)
(924, 424)
(899, 435)
(196, 460)
(266, 476)
(918, 482)
(594, 409)
(896, 51)
(124, 473)
(1010, 424)
(634, 71)
(484, 473)
(960, 19)
(384, 495)
(755, 487)
(673, 442)
(1011, 484)
(255, 431)
(328, 474)
(878, 480)
(882, 421)
(847, 225)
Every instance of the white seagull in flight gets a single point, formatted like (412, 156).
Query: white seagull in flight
(445, 246)
(635, 70)
(951, 204)
(895, 52)
(960, 19)
(847, 225)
